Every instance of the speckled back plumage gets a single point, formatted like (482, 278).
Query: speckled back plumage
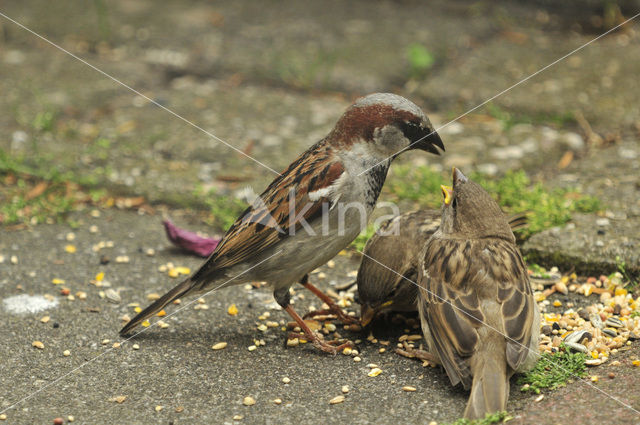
(476, 305)
(276, 242)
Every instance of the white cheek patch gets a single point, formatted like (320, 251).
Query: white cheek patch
(325, 192)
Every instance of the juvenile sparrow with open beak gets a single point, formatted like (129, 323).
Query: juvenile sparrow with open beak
(476, 306)
(389, 268)
(314, 209)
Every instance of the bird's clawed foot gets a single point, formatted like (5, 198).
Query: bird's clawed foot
(417, 353)
(333, 310)
(333, 347)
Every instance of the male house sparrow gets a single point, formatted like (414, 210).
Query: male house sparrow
(389, 268)
(314, 209)
(476, 306)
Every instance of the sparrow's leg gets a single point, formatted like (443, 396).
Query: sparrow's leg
(283, 298)
(333, 307)
(416, 353)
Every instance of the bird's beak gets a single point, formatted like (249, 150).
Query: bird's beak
(458, 177)
(367, 314)
(447, 192)
(430, 143)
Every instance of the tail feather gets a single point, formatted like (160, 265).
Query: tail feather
(490, 388)
(181, 289)
(518, 221)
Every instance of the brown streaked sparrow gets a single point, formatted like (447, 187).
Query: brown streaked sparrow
(476, 306)
(389, 269)
(314, 209)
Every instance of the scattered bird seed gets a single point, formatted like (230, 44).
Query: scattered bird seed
(577, 347)
(71, 249)
(71, 418)
(375, 371)
(345, 389)
(135, 347)
(45, 319)
(179, 409)
(116, 345)
(153, 296)
(251, 347)
(614, 322)
(277, 401)
(38, 344)
(14, 259)
(112, 296)
(119, 399)
(357, 359)
(337, 400)
(248, 401)
(238, 417)
(578, 336)
(539, 398)
(596, 321)
(3, 417)
(408, 388)
(382, 350)
(286, 380)
(293, 342)
(66, 353)
(219, 346)
(159, 408)
(232, 310)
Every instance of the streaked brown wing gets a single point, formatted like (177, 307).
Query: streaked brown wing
(452, 310)
(516, 297)
(464, 272)
(269, 219)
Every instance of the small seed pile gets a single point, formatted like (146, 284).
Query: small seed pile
(598, 330)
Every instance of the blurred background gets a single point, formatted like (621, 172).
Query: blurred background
(271, 78)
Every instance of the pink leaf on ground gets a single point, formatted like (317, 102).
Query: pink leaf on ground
(190, 241)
